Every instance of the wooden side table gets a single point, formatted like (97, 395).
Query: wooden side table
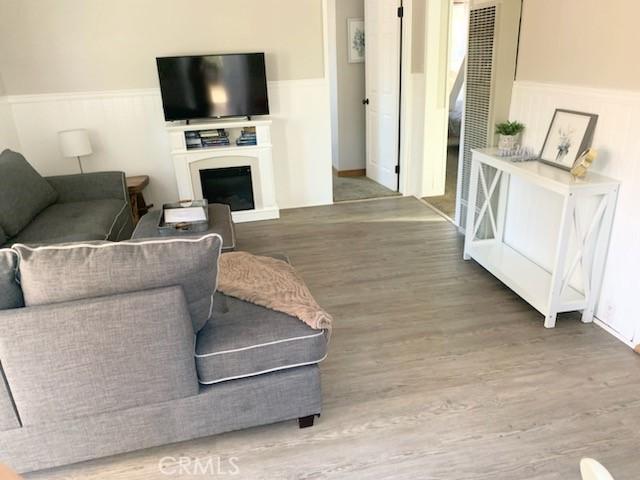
(136, 185)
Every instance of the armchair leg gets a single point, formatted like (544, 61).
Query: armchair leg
(306, 422)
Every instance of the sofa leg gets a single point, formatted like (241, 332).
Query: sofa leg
(306, 422)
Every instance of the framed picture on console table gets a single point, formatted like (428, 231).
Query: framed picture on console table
(570, 134)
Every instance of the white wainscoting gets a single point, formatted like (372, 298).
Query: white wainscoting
(128, 133)
(617, 139)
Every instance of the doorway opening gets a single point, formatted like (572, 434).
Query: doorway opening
(457, 53)
(365, 56)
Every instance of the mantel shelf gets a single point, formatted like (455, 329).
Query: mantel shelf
(211, 125)
(222, 148)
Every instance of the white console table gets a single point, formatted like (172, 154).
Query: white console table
(549, 292)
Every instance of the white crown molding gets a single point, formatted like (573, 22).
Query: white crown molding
(608, 93)
(134, 92)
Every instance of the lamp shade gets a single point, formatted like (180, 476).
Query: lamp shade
(75, 143)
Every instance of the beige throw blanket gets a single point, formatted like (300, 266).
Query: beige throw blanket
(272, 284)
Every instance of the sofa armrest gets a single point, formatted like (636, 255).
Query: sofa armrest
(90, 186)
(87, 357)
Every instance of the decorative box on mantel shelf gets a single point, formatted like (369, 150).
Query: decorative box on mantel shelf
(575, 278)
(255, 199)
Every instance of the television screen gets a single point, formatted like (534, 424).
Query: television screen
(213, 86)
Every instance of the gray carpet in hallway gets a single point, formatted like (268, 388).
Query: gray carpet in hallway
(447, 203)
(358, 188)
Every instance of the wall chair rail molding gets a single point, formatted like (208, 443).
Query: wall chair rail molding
(618, 145)
(64, 96)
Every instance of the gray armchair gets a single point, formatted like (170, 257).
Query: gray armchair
(69, 208)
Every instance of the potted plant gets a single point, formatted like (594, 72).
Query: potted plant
(508, 134)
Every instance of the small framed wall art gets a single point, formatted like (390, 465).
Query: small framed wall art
(355, 38)
(569, 135)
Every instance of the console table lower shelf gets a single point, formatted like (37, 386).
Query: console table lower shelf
(561, 288)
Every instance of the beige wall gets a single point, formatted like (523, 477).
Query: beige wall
(91, 45)
(8, 134)
(580, 42)
(351, 91)
(418, 38)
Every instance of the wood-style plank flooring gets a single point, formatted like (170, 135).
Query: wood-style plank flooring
(436, 370)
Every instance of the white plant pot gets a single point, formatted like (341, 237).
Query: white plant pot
(508, 142)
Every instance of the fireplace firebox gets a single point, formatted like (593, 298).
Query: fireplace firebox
(231, 186)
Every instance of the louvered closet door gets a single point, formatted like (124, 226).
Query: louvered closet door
(477, 114)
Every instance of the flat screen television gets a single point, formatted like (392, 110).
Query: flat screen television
(213, 86)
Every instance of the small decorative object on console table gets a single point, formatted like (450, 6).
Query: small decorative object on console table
(136, 185)
(519, 154)
(569, 135)
(508, 135)
(563, 287)
(75, 143)
(583, 163)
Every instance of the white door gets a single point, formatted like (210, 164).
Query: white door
(382, 72)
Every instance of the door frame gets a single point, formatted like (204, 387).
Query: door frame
(436, 98)
(406, 101)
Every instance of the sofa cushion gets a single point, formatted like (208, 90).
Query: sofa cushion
(75, 222)
(93, 356)
(62, 273)
(8, 415)
(23, 193)
(251, 340)
(10, 291)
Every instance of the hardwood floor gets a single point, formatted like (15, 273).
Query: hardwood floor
(435, 371)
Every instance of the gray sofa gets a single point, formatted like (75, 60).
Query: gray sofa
(37, 210)
(107, 348)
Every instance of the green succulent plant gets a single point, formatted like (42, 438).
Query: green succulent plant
(509, 128)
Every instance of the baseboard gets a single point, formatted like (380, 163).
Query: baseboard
(352, 173)
(616, 334)
(257, 215)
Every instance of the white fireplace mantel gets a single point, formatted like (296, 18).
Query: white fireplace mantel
(188, 163)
